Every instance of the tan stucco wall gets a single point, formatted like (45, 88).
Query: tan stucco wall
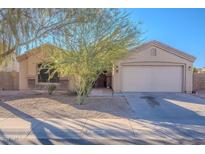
(198, 81)
(9, 74)
(28, 68)
(23, 75)
(9, 80)
(10, 66)
(143, 57)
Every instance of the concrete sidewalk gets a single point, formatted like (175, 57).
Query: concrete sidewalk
(65, 128)
(96, 131)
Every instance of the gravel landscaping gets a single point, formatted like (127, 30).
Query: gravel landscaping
(41, 105)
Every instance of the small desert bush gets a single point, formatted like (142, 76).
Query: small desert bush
(51, 89)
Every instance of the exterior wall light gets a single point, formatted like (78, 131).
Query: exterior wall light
(116, 69)
(189, 68)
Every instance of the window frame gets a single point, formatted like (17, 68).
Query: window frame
(45, 83)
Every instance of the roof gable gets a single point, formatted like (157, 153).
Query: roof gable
(166, 48)
(35, 51)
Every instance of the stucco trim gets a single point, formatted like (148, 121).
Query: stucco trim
(150, 63)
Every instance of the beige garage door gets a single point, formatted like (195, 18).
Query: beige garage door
(151, 78)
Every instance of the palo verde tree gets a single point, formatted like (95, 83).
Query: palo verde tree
(27, 28)
(93, 46)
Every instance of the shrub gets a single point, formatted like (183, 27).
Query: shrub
(51, 89)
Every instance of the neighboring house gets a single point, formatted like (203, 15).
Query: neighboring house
(9, 75)
(151, 67)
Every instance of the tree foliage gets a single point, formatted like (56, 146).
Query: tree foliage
(91, 40)
(195, 70)
(93, 46)
(26, 28)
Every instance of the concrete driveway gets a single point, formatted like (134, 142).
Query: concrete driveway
(168, 107)
(170, 115)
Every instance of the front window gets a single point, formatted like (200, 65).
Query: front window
(43, 75)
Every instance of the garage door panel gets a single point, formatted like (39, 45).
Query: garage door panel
(152, 78)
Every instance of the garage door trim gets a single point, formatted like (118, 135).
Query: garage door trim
(183, 86)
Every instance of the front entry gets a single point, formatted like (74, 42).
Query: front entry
(100, 82)
(103, 81)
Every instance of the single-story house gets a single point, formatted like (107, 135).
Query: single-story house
(150, 67)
